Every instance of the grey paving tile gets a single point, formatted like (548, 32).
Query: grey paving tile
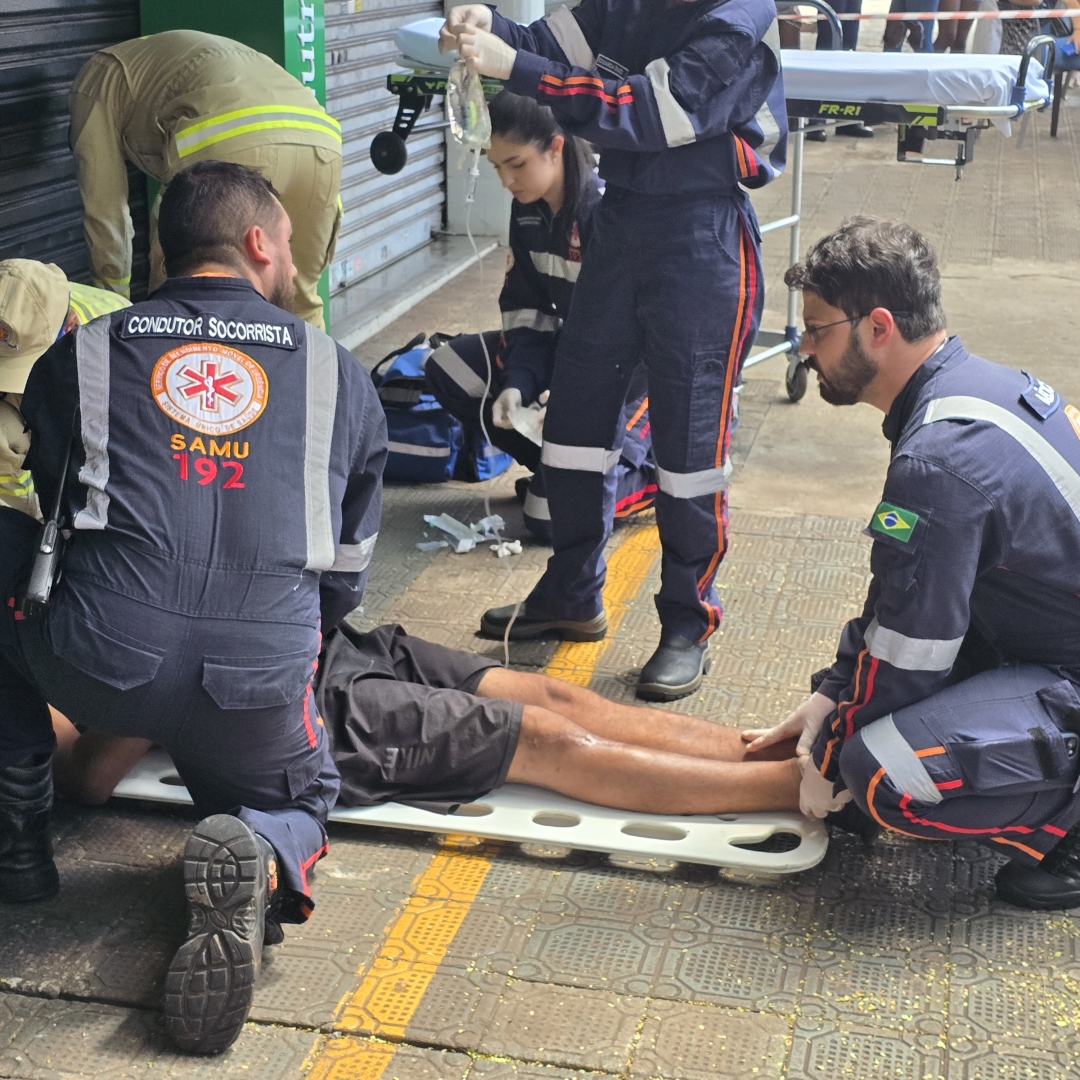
(699, 1042)
(558, 1025)
(68, 1040)
(457, 1008)
(841, 1050)
(484, 1069)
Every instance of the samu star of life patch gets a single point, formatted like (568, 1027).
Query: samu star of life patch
(210, 388)
(894, 521)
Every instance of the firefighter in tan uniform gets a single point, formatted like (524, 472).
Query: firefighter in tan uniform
(37, 305)
(165, 101)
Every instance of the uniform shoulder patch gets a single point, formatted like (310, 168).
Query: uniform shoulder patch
(894, 521)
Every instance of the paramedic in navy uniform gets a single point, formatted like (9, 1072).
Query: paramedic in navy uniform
(224, 483)
(685, 102)
(953, 708)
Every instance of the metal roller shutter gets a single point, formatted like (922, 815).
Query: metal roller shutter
(386, 217)
(43, 43)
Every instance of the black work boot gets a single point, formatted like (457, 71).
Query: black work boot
(494, 621)
(850, 819)
(674, 670)
(230, 875)
(1054, 883)
(27, 870)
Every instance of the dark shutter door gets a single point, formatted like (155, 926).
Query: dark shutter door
(43, 43)
(386, 217)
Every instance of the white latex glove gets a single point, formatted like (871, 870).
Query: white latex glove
(816, 798)
(505, 405)
(485, 53)
(464, 15)
(805, 722)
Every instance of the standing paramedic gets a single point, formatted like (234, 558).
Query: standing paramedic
(953, 708)
(165, 101)
(224, 486)
(686, 103)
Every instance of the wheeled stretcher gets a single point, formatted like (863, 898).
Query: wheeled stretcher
(929, 97)
(754, 843)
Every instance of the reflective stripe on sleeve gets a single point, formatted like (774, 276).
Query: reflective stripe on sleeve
(678, 129)
(895, 756)
(567, 32)
(536, 507)
(19, 485)
(353, 558)
(228, 125)
(1061, 473)
(579, 458)
(418, 451)
(555, 265)
(910, 653)
(322, 388)
(92, 359)
(457, 370)
(771, 130)
(691, 485)
(530, 319)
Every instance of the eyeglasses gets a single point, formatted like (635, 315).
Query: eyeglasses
(813, 332)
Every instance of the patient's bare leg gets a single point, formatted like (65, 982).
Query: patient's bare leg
(87, 766)
(556, 753)
(652, 728)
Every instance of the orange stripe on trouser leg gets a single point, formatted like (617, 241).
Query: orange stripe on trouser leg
(1023, 847)
(638, 415)
(872, 787)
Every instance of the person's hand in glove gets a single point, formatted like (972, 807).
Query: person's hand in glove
(805, 722)
(505, 405)
(463, 15)
(817, 795)
(484, 53)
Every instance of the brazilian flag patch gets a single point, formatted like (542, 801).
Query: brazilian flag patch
(892, 521)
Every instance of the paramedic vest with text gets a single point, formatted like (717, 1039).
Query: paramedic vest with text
(228, 460)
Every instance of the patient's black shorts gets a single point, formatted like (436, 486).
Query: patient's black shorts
(404, 721)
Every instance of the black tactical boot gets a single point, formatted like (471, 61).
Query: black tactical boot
(1053, 884)
(230, 877)
(27, 870)
(850, 819)
(674, 670)
(494, 621)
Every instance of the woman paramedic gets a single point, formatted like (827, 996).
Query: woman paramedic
(553, 181)
(685, 102)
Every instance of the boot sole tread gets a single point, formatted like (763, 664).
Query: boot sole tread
(211, 980)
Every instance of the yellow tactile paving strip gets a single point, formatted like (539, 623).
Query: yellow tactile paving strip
(393, 986)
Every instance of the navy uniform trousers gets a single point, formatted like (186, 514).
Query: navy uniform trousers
(672, 283)
(245, 734)
(990, 759)
(457, 375)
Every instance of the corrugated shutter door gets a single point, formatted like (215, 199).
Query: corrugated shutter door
(386, 217)
(43, 43)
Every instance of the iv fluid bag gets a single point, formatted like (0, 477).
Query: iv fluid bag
(466, 108)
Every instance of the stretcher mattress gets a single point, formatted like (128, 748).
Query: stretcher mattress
(523, 814)
(907, 78)
(911, 79)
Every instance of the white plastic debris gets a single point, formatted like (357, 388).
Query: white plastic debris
(432, 545)
(489, 528)
(507, 547)
(464, 538)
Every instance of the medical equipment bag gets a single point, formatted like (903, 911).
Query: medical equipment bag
(426, 444)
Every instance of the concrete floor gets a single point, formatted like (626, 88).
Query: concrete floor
(446, 958)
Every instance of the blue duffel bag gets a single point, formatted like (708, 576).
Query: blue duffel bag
(426, 444)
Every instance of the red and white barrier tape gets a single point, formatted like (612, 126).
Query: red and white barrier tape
(913, 16)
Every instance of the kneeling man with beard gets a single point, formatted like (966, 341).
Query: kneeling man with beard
(953, 708)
